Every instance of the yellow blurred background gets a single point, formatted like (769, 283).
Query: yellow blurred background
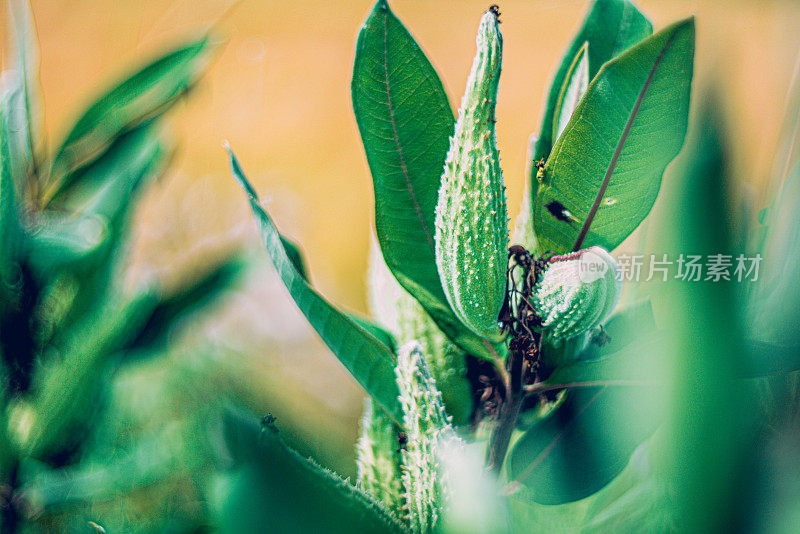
(279, 91)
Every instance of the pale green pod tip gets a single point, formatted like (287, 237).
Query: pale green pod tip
(577, 292)
(378, 458)
(426, 424)
(471, 213)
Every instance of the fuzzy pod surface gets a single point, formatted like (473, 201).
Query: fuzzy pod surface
(471, 213)
(427, 427)
(396, 309)
(577, 292)
(378, 459)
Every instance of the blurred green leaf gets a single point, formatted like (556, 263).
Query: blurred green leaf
(406, 122)
(775, 303)
(709, 409)
(761, 358)
(56, 490)
(635, 497)
(610, 27)
(194, 294)
(62, 242)
(109, 190)
(272, 487)
(139, 98)
(575, 84)
(584, 444)
(369, 360)
(629, 351)
(68, 390)
(10, 231)
(22, 99)
(108, 185)
(604, 173)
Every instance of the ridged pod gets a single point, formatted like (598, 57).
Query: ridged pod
(427, 427)
(471, 213)
(378, 458)
(577, 292)
(405, 318)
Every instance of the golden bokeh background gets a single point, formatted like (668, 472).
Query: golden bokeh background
(279, 91)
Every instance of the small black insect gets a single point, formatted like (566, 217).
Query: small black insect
(268, 422)
(601, 337)
(402, 441)
(494, 9)
(560, 212)
(539, 170)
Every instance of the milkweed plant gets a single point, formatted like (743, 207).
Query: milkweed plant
(509, 390)
(516, 381)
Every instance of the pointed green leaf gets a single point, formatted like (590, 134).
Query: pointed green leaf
(194, 294)
(406, 122)
(24, 105)
(610, 27)
(613, 404)
(10, 231)
(69, 387)
(604, 173)
(586, 443)
(575, 85)
(629, 351)
(271, 486)
(62, 242)
(296, 257)
(144, 95)
(370, 361)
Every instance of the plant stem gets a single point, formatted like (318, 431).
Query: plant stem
(9, 511)
(501, 437)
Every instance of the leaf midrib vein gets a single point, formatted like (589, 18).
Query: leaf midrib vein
(621, 144)
(403, 166)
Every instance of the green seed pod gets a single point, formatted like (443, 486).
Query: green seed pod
(405, 318)
(426, 425)
(378, 458)
(471, 214)
(577, 292)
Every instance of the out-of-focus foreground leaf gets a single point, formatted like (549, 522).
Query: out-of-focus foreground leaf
(369, 360)
(614, 402)
(21, 98)
(272, 486)
(406, 122)
(143, 95)
(709, 411)
(67, 389)
(10, 235)
(187, 298)
(585, 443)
